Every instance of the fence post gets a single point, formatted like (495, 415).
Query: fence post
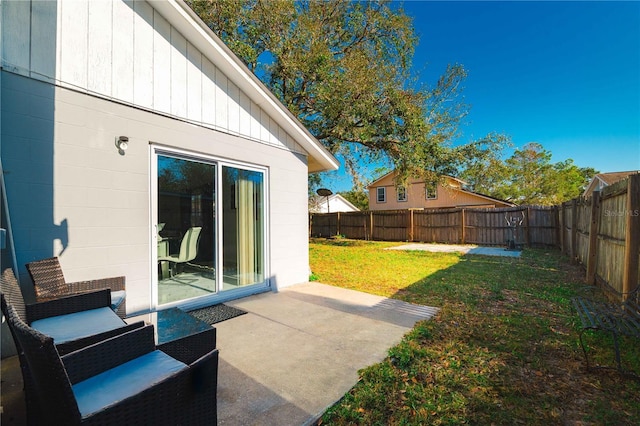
(371, 225)
(574, 229)
(338, 224)
(411, 234)
(364, 224)
(632, 238)
(527, 229)
(592, 253)
(462, 226)
(557, 219)
(561, 222)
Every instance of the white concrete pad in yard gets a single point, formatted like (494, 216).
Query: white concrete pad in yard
(459, 248)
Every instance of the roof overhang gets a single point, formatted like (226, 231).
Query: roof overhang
(488, 197)
(187, 22)
(414, 181)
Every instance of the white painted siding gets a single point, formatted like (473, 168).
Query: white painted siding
(161, 64)
(178, 72)
(126, 51)
(123, 42)
(194, 84)
(71, 193)
(143, 37)
(43, 38)
(335, 203)
(100, 46)
(15, 22)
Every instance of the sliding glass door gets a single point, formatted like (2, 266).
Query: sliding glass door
(209, 235)
(242, 227)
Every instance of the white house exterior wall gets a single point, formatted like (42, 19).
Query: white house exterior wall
(128, 52)
(72, 194)
(335, 203)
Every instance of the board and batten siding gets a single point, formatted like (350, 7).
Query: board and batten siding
(127, 52)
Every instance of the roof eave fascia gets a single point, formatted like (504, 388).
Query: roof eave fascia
(187, 22)
(487, 197)
(589, 189)
(381, 178)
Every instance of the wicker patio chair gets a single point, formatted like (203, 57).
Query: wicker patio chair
(72, 321)
(49, 283)
(122, 380)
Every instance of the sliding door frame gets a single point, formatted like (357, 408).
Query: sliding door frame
(219, 296)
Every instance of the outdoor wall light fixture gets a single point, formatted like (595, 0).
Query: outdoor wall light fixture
(122, 142)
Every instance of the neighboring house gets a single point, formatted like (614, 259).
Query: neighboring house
(331, 204)
(384, 195)
(602, 180)
(130, 133)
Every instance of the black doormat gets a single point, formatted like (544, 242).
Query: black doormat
(217, 313)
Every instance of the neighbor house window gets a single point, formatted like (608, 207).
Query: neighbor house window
(402, 193)
(431, 191)
(381, 195)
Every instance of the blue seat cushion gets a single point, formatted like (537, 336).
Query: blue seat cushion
(117, 297)
(65, 328)
(126, 380)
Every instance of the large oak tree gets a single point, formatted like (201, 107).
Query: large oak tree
(344, 69)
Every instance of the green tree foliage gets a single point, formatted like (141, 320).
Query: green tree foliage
(343, 68)
(357, 197)
(529, 168)
(488, 174)
(567, 181)
(313, 184)
(528, 177)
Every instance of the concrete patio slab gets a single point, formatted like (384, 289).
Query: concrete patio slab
(292, 356)
(459, 248)
(299, 351)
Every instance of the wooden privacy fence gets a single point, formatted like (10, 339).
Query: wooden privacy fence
(602, 233)
(538, 228)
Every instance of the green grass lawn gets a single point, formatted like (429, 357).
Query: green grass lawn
(503, 349)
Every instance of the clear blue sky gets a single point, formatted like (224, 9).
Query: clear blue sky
(564, 74)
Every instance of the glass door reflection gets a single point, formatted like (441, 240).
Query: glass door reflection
(186, 229)
(242, 227)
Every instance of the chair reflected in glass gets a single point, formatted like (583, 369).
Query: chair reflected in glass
(188, 250)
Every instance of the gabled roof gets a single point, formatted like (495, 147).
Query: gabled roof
(488, 197)
(319, 200)
(185, 20)
(613, 177)
(607, 179)
(393, 172)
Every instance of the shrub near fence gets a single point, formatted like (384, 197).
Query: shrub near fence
(450, 226)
